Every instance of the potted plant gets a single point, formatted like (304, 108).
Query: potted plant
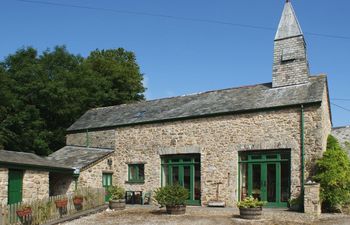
(250, 208)
(24, 212)
(173, 197)
(117, 197)
(61, 204)
(78, 199)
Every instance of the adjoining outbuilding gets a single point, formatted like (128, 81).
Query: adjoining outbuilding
(25, 176)
(93, 167)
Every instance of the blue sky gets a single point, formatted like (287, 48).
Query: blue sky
(180, 56)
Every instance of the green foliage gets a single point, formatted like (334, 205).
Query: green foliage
(41, 95)
(333, 173)
(116, 192)
(250, 202)
(295, 203)
(171, 195)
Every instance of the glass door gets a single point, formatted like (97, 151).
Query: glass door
(265, 177)
(185, 172)
(106, 182)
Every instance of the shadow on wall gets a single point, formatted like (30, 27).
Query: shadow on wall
(59, 184)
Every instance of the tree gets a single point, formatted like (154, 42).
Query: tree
(43, 94)
(333, 173)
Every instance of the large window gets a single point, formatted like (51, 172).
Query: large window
(136, 173)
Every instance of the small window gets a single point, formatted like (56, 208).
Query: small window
(136, 173)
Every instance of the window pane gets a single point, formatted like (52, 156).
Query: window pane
(284, 181)
(132, 172)
(141, 172)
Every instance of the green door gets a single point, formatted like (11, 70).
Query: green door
(185, 171)
(15, 185)
(265, 176)
(106, 182)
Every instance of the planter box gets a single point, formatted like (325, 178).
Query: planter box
(250, 213)
(176, 210)
(117, 204)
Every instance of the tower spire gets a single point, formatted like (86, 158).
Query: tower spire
(290, 64)
(289, 24)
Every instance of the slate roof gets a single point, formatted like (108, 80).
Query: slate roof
(342, 134)
(78, 157)
(224, 101)
(289, 25)
(29, 159)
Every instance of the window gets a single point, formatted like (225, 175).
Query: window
(136, 173)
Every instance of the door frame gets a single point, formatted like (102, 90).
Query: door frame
(263, 158)
(181, 161)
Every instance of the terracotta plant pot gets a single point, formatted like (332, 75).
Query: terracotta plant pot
(61, 203)
(250, 213)
(176, 209)
(24, 212)
(78, 200)
(117, 204)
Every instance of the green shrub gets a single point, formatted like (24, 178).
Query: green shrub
(116, 192)
(250, 202)
(333, 173)
(171, 195)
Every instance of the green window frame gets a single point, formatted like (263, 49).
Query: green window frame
(136, 173)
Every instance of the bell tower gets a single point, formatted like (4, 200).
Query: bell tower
(290, 64)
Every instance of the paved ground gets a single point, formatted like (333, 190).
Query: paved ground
(148, 215)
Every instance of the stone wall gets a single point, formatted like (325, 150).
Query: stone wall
(312, 200)
(92, 175)
(95, 139)
(3, 185)
(295, 69)
(219, 139)
(61, 184)
(35, 185)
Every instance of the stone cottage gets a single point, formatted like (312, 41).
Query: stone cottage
(259, 140)
(25, 176)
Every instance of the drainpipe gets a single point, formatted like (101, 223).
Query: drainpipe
(302, 151)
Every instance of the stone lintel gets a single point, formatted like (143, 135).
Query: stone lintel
(268, 145)
(193, 149)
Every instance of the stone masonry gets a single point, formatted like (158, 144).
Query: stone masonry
(218, 139)
(290, 65)
(93, 139)
(35, 185)
(312, 200)
(3, 185)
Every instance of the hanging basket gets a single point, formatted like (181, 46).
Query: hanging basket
(61, 203)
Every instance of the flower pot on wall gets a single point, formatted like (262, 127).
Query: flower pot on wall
(175, 209)
(60, 203)
(117, 204)
(25, 215)
(250, 213)
(78, 202)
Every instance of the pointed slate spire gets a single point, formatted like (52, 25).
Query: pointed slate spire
(289, 25)
(290, 64)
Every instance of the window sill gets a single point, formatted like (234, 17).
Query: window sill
(135, 182)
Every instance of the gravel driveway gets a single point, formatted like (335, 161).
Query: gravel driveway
(150, 215)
